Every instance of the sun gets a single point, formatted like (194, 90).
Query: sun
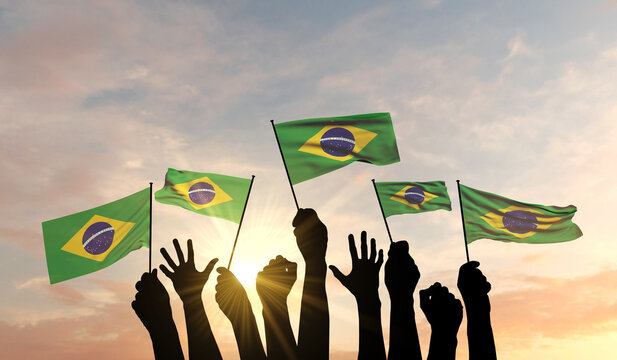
(245, 272)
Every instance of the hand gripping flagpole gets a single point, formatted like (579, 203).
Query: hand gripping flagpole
(241, 218)
(460, 200)
(381, 208)
(150, 238)
(285, 164)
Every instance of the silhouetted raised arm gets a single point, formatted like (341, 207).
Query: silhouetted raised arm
(314, 334)
(189, 284)
(401, 276)
(474, 289)
(444, 312)
(151, 305)
(273, 286)
(363, 283)
(233, 301)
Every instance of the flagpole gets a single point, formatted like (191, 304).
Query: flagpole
(285, 164)
(241, 218)
(150, 239)
(381, 208)
(460, 201)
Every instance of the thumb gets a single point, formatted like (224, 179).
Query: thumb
(424, 299)
(338, 274)
(209, 267)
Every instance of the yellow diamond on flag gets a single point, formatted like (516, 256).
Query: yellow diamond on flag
(338, 142)
(519, 221)
(98, 237)
(202, 193)
(413, 196)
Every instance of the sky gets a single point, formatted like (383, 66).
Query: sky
(97, 98)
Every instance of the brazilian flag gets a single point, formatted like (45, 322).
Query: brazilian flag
(313, 147)
(91, 240)
(204, 193)
(412, 197)
(490, 216)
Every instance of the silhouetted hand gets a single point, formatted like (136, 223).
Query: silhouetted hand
(273, 286)
(443, 311)
(314, 330)
(151, 301)
(363, 280)
(401, 276)
(189, 284)
(235, 304)
(151, 305)
(311, 235)
(187, 281)
(363, 283)
(276, 280)
(474, 289)
(231, 296)
(401, 272)
(473, 285)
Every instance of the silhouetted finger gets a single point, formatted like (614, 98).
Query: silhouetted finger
(179, 252)
(303, 215)
(190, 254)
(363, 252)
(209, 267)
(137, 307)
(170, 262)
(139, 285)
(435, 286)
(380, 259)
(469, 265)
(352, 248)
(373, 250)
(458, 303)
(337, 274)
(425, 296)
(165, 271)
(398, 248)
(292, 268)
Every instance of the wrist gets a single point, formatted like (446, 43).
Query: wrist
(316, 262)
(191, 299)
(369, 302)
(274, 306)
(400, 298)
(316, 268)
(477, 303)
(447, 336)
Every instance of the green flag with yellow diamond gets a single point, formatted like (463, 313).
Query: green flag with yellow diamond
(91, 240)
(313, 147)
(204, 193)
(490, 216)
(412, 197)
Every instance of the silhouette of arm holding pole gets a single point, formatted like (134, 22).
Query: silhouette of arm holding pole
(363, 283)
(151, 305)
(444, 312)
(401, 277)
(474, 289)
(233, 301)
(189, 284)
(273, 286)
(314, 333)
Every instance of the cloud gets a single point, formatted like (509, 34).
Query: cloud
(556, 308)
(120, 96)
(112, 332)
